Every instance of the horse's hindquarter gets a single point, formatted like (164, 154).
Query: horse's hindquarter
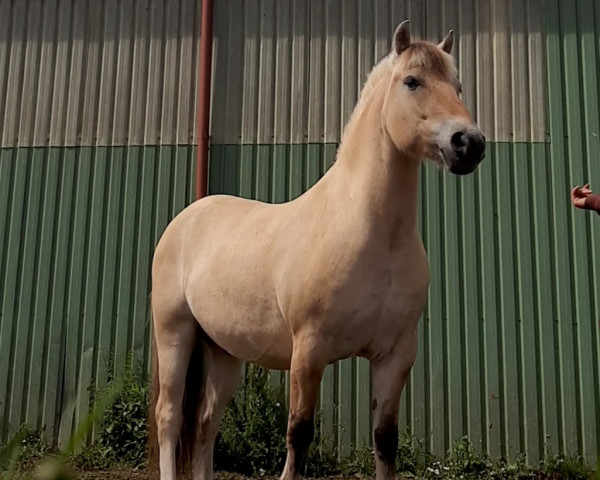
(227, 266)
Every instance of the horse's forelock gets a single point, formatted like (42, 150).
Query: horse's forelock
(428, 57)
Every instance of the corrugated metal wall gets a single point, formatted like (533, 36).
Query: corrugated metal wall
(97, 108)
(573, 53)
(509, 342)
(292, 70)
(97, 115)
(80, 72)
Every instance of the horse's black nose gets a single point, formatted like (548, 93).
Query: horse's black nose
(469, 147)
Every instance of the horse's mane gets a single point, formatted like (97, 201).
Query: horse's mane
(381, 69)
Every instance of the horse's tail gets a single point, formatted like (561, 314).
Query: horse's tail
(191, 403)
(153, 472)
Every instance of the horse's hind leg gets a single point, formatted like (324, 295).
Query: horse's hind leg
(222, 374)
(305, 377)
(175, 337)
(388, 376)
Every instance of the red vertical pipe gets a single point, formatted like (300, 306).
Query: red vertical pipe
(204, 78)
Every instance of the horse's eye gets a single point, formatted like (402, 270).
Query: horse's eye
(411, 83)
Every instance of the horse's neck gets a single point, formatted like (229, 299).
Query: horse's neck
(374, 178)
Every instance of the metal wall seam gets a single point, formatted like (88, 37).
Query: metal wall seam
(5, 52)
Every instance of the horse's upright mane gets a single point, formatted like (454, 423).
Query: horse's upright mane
(380, 70)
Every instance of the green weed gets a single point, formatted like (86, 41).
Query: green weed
(251, 439)
(566, 468)
(322, 456)
(464, 460)
(11, 454)
(360, 461)
(27, 449)
(123, 432)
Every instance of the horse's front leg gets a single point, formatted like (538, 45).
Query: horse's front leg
(388, 376)
(305, 376)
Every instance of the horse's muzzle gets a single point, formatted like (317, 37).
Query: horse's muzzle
(467, 150)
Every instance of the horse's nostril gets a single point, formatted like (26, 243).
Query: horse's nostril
(458, 140)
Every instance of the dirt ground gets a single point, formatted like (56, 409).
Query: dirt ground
(133, 475)
(113, 475)
(54, 471)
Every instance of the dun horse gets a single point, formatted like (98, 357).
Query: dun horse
(340, 271)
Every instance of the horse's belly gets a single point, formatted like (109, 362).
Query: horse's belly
(257, 335)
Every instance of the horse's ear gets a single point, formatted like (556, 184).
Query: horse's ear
(402, 37)
(447, 42)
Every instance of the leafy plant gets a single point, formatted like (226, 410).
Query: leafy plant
(360, 461)
(517, 470)
(33, 448)
(10, 453)
(566, 468)
(463, 460)
(251, 439)
(27, 449)
(123, 432)
(411, 457)
(322, 456)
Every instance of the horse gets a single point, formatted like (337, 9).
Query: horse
(340, 271)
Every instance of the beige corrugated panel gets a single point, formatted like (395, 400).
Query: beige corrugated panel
(290, 71)
(91, 72)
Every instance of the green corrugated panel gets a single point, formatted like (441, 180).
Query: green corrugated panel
(573, 31)
(589, 21)
(78, 229)
(11, 250)
(493, 339)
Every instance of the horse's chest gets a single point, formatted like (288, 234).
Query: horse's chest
(375, 312)
(395, 301)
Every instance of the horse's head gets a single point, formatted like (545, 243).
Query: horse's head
(423, 93)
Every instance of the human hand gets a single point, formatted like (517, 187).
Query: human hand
(578, 195)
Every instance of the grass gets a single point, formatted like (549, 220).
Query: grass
(251, 443)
